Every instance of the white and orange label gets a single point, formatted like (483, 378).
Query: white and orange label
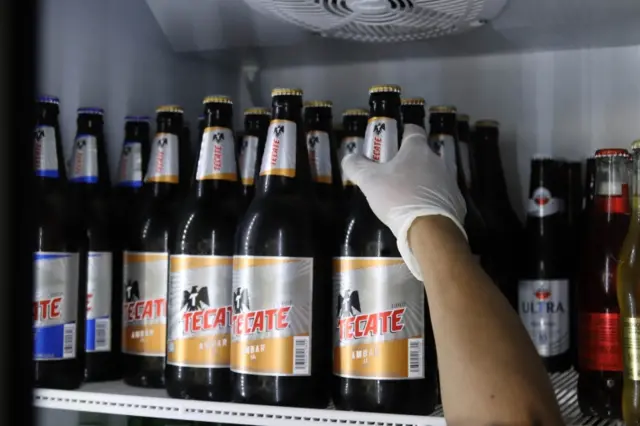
(319, 149)
(199, 306)
(164, 159)
(379, 319)
(349, 145)
(272, 315)
(279, 157)
(247, 159)
(144, 311)
(217, 160)
(381, 139)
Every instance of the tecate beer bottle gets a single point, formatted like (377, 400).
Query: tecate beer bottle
(543, 284)
(89, 189)
(146, 258)
(59, 269)
(464, 140)
(201, 267)
(599, 351)
(256, 124)
(383, 352)
(354, 125)
(412, 110)
(186, 158)
(628, 289)
(279, 349)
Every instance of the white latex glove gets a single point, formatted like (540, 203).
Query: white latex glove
(416, 182)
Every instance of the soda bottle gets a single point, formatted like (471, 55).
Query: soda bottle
(354, 125)
(544, 286)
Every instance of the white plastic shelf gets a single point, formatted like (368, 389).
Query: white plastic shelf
(120, 399)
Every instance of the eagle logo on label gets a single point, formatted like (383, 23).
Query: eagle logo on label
(80, 143)
(38, 134)
(126, 151)
(132, 291)
(195, 299)
(278, 130)
(351, 147)
(162, 142)
(312, 142)
(379, 128)
(244, 146)
(218, 137)
(348, 303)
(241, 300)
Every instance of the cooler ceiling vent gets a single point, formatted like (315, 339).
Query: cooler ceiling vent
(383, 20)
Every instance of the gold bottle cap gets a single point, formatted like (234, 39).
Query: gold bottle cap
(318, 104)
(413, 101)
(635, 145)
(442, 109)
(170, 108)
(257, 111)
(385, 88)
(280, 91)
(487, 123)
(462, 117)
(612, 152)
(217, 99)
(356, 112)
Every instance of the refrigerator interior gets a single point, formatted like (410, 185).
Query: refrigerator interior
(561, 76)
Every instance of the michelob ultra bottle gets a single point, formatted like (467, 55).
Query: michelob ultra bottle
(279, 337)
(544, 284)
(256, 124)
(354, 125)
(89, 187)
(599, 350)
(146, 258)
(201, 266)
(628, 289)
(59, 263)
(383, 351)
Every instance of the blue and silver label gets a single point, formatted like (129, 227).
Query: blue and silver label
(99, 291)
(130, 170)
(55, 305)
(45, 155)
(84, 161)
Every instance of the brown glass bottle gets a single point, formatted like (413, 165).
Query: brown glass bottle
(599, 350)
(256, 124)
(277, 276)
(199, 295)
(146, 258)
(186, 159)
(392, 371)
(354, 125)
(59, 263)
(464, 142)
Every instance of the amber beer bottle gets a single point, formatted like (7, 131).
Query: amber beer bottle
(354, 125)
(412, 110)
(89, 186)
(383, 350)
(599, 351)
(59, 268)
(279, 348)
(146, 258)
(544, 282)
(256, 124)
(464, 140)
(201, 267)
(628, 290)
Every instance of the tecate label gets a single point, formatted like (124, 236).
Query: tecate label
(247, 159)
(45, 155)
(144, 313)
(55, 305)
(199, 329)
(130, 170)
(381, 139)
(84, 160)
(378, 309)
(279, 157)
(349, 145)
(163, 161)
(445, 146)
(272, 314)
(543, 306)
(319, 150)
(542, 203)
(631, 347)
(217, 160)
(99, 288)
(466, 163)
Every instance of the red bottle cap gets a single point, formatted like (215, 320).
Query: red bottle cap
(612, 152)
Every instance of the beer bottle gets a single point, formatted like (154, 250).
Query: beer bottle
(628, 294)
(185, 159)
(279, 316)
(146, 257)
(599, 352)
(201, 125)
(464, 140)
(544, 282)
(59, 269)
(413, 111)
(201, 266)
(354, 125)
(387, 366)
(256, 123)
(89, 189)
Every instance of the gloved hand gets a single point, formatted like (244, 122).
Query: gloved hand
(416, 182)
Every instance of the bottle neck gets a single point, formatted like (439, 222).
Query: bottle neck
(443, 139)
(319, 147)
(413, 114)
(490, 183)
(47, 149)
(88, 169)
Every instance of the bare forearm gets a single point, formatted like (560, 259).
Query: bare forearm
(489, 370)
